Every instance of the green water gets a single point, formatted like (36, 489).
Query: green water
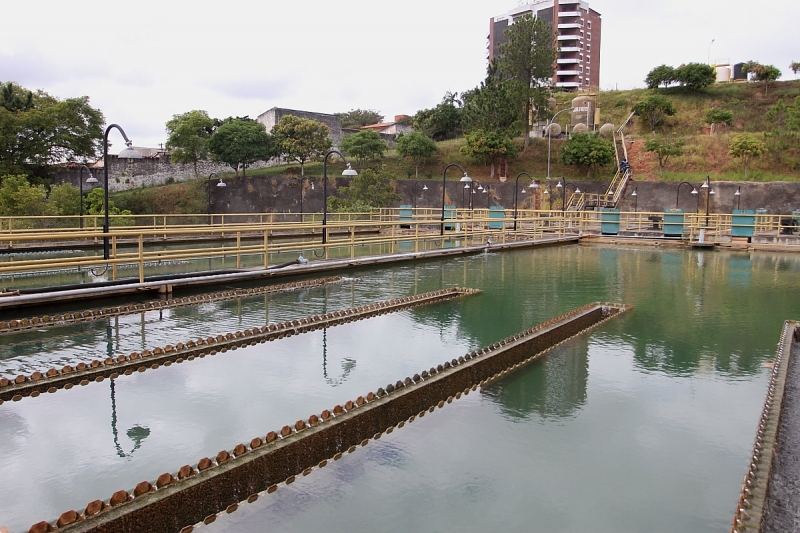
(645, 424)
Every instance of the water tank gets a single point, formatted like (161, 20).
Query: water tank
(554, 129)
(607, 131)
(737, 72)
(583, 111)
(580, 127)
(723, 74)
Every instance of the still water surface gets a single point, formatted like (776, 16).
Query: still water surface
(644, 424)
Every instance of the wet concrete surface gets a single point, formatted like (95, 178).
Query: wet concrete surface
(782, 513)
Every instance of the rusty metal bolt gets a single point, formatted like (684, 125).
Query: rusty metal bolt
(239, 449)
(349, 405)
(458, 395)
(271, 436)
(95, 364)
(447, 364)
(223, 457)
(84, 382)
(52, 373)
(164, 480)
(121, 496)
(158, 351)
(370, 396)
(209, 519)
(300, 425)
(41, 527)
(231, 508)
(325, 415)
(142, 487)
(351, 449)
(389, 429)
(185, 471)
(92, 508)
(108, 361)
(36, 376)
(337, 410)
(147, 353)
(256, 443)
(425, 374)
(360, 400)
(459, 361)
(449, 399)
(252, 498)
(416, 378)
(272, 488)
(313, 420)
(439, 368)
(286, 431)
(80, 367)
(364, 442)
(51, 390)
(204, 464)
(20, 379)
(380, 392)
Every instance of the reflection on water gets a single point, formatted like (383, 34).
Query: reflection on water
(651, 413)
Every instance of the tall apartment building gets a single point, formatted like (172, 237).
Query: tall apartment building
(576, 29)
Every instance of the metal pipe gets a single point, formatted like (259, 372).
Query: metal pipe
(678, 192)
(128, 142)
(516, 190)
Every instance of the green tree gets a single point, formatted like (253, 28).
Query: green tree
(240, 143)
(356, 118)
(718, 116)
(371, 188)
(661, 75)
(364, 145)
(188, 138)
(493, 106)
(301, 139)
(587, 150)
(38, 130)
(94, 206)
(759, 72)
(527, 58)
(488, 148)
(746, 147)
(794, 66)
(441, 122)
(664, 149)
(696, 76)
(65, 200)
(417, 146)
(18, 198)
(785, 116)
(654, 109)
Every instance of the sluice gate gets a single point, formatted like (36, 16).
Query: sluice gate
(198, 494)
(54, 379)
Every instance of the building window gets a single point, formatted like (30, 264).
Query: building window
(581, 34)
(580, 69)
(589, 24)
(588, 47)
(588, 36)
(580, 56)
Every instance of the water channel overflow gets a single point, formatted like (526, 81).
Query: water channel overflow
(697, 379)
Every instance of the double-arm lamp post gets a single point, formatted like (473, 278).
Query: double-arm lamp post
(347, 172)
(533, 186)
(709, 191)
(678, 192)
(465, 179)
(127, 153)
(562, 184)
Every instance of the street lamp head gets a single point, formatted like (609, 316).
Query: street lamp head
(129, 152)
(312, 185)
(711, 192)
(523, 191)
(465, 178)
(349, 171)
(634, 193)
(558, 185)
(466, 186)
(533, 185)
(480, 187)
(486, 191)
(424, 187)
(694, 191)
(221, 183)
(91, 179)
(737, 193)
(577, 190)
(546, 191)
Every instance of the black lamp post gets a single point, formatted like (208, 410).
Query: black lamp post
(301, 192)
(678, 193)
(738, 195)
(562, 184)
(709, 191)
(635, 199)
(488, 196)
(550, 136)
(533, 185)
(465, 178)
(347, 172)
(91, 180)
(127, 153)
(414, 193)
(220, 184)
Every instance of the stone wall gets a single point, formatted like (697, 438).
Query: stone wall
(273, 116)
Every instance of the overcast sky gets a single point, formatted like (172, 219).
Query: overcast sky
(143, 62)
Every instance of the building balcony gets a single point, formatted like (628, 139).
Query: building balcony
(567, 72)
(566, 14)
(569, 49)
(569, 37)
(569, 26)
(568, 61)
(568, 84)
